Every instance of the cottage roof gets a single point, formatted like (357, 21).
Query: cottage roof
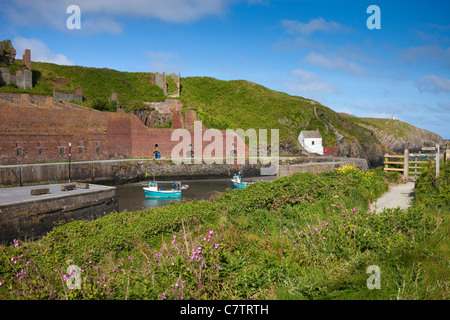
(311, 134)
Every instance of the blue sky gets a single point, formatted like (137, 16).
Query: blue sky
(318, 49)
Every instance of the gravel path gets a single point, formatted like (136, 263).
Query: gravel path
(397, 196)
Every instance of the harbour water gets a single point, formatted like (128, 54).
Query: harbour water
(131, 196)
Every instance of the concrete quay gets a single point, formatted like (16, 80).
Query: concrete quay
(23, 215)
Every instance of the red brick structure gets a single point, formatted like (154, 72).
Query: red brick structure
(330, 151)
(60, 81)
(27, 59)
(36, 129)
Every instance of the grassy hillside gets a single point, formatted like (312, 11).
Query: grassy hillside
(97, 84)
(392, 127)
(243, 104)
(230, 104)
(220, 104)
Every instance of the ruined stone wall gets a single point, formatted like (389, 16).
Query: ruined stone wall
(6, 77)
(26, 59)
(22, 78)
(60, 96)
(160, 80)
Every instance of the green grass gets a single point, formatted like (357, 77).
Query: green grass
(243, 104)
(300, 237)
(395, 128)
(97, 84)
(220, 104)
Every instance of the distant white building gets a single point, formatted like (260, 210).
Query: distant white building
(311, 141)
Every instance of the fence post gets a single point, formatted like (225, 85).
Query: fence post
(415, 167)
(406, 166)
(437, 161)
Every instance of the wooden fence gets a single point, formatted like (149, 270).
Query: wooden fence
(411, 163)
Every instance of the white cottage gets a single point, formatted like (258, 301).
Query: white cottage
(311, 141)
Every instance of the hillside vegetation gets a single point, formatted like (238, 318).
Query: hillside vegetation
(97, 84)
(228, 104)
(220, 104)
(398, 135)
(244, 104)
(307, 236)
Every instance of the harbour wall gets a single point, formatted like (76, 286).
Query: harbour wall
(316, 167)
(119, 172)
(23, 216)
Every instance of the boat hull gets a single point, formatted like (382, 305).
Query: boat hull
(164, 194)
(241, 185)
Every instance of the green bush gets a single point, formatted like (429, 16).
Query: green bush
(305, 236)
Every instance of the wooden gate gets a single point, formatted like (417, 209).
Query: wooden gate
(412, 163)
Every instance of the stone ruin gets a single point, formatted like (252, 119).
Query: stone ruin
(76, 97)
(160, 79)
(23, 78)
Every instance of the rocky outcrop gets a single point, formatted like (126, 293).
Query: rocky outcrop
(7, 52)
(370, 151)
(152, 118)
(407, 137)
(23, 77)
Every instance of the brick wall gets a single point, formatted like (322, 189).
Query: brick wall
(26, 59)
(31, 133)
(38, 129)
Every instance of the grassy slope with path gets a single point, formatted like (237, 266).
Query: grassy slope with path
(305, 236)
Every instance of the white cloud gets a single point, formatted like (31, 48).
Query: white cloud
(444, 107)
(433, 83)
(39, 51)
(165, 62)
(306, 29)
(333, 62)
(103, 15)
(309, 83)
(427, 53)
(298, 43)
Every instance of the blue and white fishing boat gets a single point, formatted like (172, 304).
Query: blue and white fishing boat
(164, 189)
(237, 182)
